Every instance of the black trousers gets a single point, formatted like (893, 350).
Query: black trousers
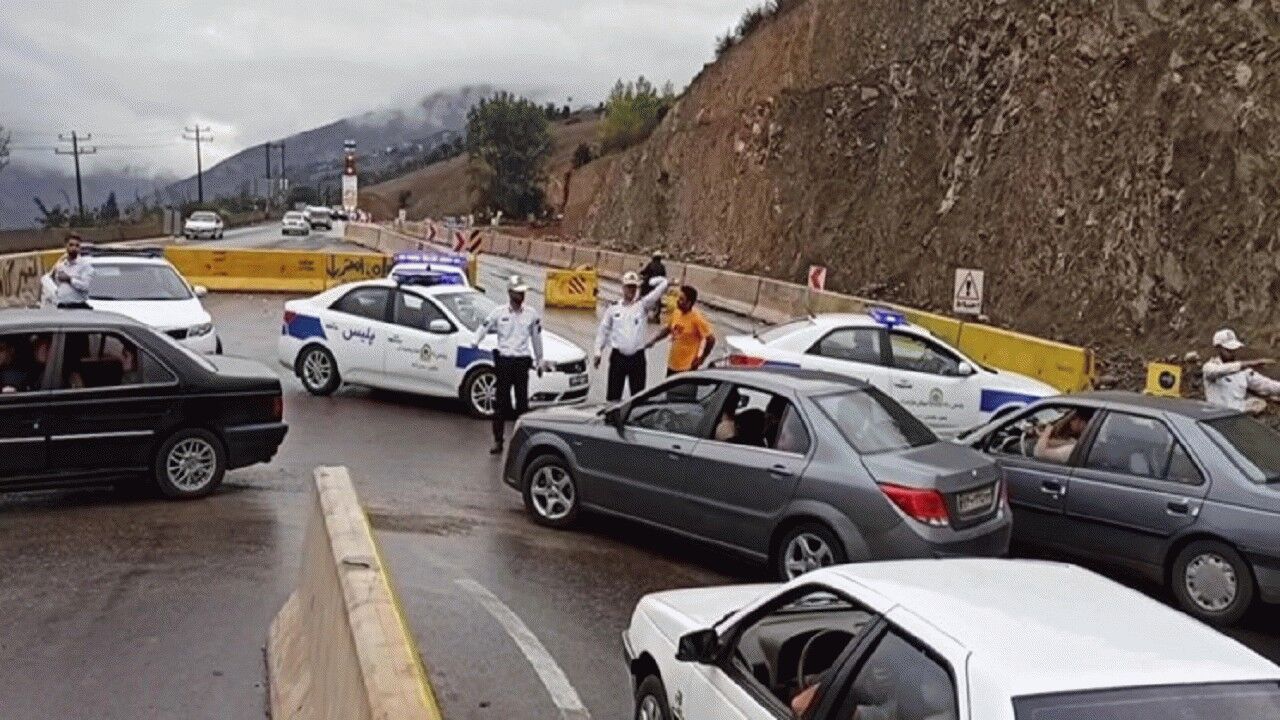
(628, 369)
(513, 379)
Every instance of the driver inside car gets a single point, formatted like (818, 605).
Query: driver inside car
(1057, 440)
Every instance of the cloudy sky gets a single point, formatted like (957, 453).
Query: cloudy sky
(134, 72)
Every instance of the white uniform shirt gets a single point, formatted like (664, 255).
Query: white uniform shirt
(1228, 384)
(75, 289)
(518, 331)
(624, 327)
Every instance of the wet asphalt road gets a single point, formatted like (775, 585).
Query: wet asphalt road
(116, 607)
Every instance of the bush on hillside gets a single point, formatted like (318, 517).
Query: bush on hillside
(751, 20)
(508, 138)
(632, 112)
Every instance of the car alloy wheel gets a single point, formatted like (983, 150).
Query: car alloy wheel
(651, 700)
(482, 393)
(318, 372)
(1211, 582)
(649, 709)
(191, 465)
(552, 492)
(805, 552)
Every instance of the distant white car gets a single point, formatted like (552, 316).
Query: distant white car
(451, 267)
(319, 218)
(203, 224)
(143, 285)
(294, 223)
(938, 640)
(414, 334)
(948, 391)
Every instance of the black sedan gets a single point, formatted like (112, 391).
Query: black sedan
(89, 397)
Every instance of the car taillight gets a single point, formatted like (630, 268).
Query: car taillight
(736, 360)
(277, 407)
(926, 506)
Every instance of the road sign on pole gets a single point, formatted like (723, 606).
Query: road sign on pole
(968, 294)
(817, 277)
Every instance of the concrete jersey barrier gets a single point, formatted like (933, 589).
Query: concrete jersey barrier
(340, 648)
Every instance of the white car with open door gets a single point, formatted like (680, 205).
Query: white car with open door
(414, 333)
(948, 391)
(962, 639)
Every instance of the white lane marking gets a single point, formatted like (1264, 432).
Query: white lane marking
(553, 678)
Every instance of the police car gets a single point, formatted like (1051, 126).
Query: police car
(948, 391)
(442, 263)
(413, 332)
(140, 283)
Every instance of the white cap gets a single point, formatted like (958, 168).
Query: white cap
(515, 284)
(631, 279)
(1226, 338)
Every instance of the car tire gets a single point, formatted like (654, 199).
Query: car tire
(318, 370)
(189, 464)
(651, 700)
(807, 546)
(480, 382)
(1212, 582)
(550, 492)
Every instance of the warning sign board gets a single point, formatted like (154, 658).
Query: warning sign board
(350, 192)
(817, 277)
(968, 295)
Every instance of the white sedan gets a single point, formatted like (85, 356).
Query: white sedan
(452, 267)
(203, 224)
(414, 335)
(948, 392)
(294, 223)
(938, 640)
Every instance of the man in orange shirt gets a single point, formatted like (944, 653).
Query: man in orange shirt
(692, 337)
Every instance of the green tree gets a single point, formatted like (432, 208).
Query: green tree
(509, 139)
(304, 194)
(581, 155)
(110, 210)
(632, 111)
(4, 147)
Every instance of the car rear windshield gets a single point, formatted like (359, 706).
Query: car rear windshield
(783, 330)
(1235, 701)
(471, 308)
(873, 422)
(204, 216)
(136, 282)
(294, 216)
(1252, 445)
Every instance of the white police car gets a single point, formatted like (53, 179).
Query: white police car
(948, 391)
(141, 284)
(413, 333)
(938, 640)
(411, 262)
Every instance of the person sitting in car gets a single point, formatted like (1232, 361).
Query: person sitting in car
(1058, 439)
(12, 377)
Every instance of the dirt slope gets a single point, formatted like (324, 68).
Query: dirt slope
(1113, 165)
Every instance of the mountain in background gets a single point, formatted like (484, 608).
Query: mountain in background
(19, 184)
(384, 139)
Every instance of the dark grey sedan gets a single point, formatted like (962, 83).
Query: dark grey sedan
(797, 468)
(1182, 492)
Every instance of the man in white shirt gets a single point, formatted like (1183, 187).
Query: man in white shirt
(1228, 381)
(519, 330)
(623, 332)
(72, 274)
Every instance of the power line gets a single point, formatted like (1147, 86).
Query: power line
(75, 152)
(195, 135)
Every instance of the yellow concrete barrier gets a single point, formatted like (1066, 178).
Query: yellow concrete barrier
(340, 646)
(1164, 379)
(572, 289)
(274, 270)
(20, 278)
(1066, 367)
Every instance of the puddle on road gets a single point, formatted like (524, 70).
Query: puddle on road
(441, 525)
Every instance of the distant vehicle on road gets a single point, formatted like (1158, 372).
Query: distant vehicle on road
(797, 468)
(203, 224)
(319, 218)
(1184, 493)
(338, 213)
(91, 397)
(449, 265)
(936, 382)
(414, 334)
(295, 223)
(938, 640)
(143, 285)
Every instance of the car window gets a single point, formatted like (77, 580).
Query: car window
(873, 422)
(415, 311)
(911, 352)
(1252, 445)
(365, 302)
(469, 307)
(758, 418)
(204, 216)
(783, 330)
(851, 344)
(792, 435)
(1131, 445)
(681, 407)
(1219, 701)
(113, 281)
(23, 359)
(1049, 434)
(791, 650)
(900, 681)
(1181, 468)
(102, 360)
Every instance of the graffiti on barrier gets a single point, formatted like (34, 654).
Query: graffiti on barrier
(351, 268)
(20, 280)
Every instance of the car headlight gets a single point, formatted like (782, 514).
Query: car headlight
(200, 330)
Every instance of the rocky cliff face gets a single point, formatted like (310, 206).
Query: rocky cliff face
(1113, 165)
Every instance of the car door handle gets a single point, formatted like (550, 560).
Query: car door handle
(781, 471)
(675, 452)
(1055, 489)
(1178, 507)
(394, 339)
(903, 384)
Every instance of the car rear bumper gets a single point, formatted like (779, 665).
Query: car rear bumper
(252, 444)
(909, 539)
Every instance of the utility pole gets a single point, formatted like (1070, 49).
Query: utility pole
(195, 135)
(266, 150)
(75, 152)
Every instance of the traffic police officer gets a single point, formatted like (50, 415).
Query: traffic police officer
(623, 332)
(519, 330)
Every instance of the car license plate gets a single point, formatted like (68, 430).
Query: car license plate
(578, 380)
(975, 501)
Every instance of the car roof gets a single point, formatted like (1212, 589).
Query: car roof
(1123, 399)
(804, 382)
(1027, 624)
(422, 289)
(125, 259)
(62, 319)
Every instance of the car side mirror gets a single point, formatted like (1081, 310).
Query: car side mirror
(616, 416)
(964, 369)
(700, 646)
(200, 291)
(439, 327)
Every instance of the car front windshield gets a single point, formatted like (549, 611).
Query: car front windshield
(873, 422)
(470, 308)
(136, 282)
(1233, 701)
(204, 216)
(1252, 445)
(293, 216)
